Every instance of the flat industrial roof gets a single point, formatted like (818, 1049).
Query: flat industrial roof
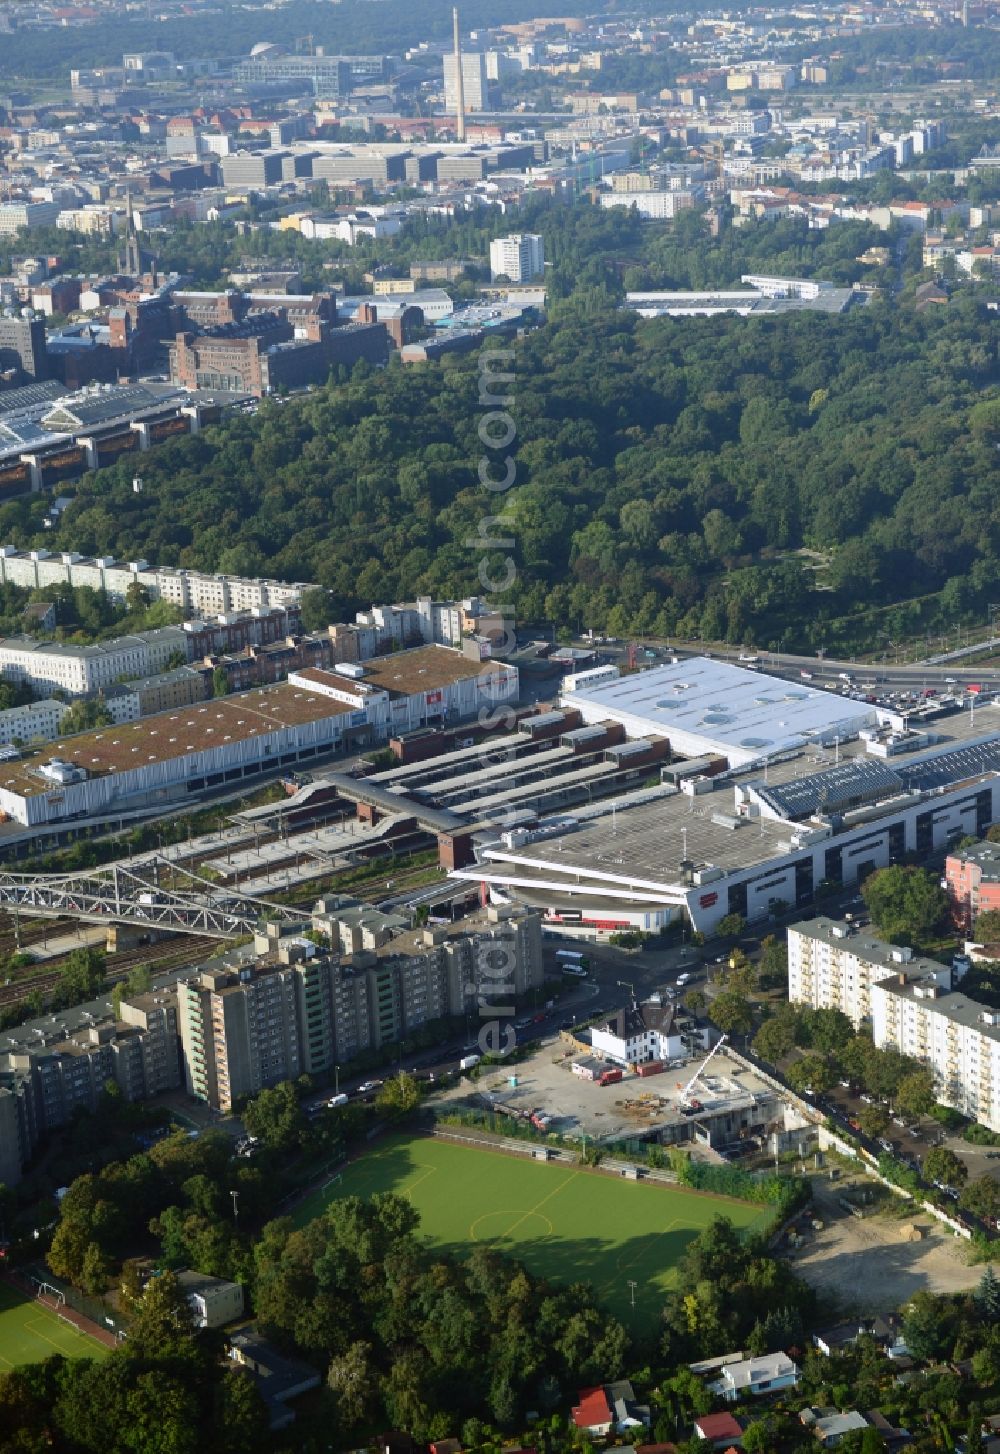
(425, 669)
(323, 678)
(173, 734)
(726, 709)
(646, 843)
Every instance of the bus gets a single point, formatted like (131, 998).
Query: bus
(572, 958)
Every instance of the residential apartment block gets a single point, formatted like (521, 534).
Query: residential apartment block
(79, 670)
(833, 966)
(909, 1003)
(475, 82)
(300, 1009)
(194, 592)
(51, 1067)
(519, 257)
(955, 1037)
(36, 722)
(446, 623)
(972, 882)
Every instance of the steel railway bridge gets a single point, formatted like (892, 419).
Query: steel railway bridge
(123, 895)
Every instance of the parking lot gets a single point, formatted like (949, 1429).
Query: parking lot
(910, 1138)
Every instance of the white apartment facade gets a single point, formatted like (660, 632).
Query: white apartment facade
(908, 1002)
(519, 257)
(38, 721)
(638, 1034)
(19, 216)
(445, 622)
(955, 1037)
(79, 670)
(833, 966)
(198, 592)
(654, 206)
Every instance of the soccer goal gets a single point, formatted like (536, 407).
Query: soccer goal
(45, 1289)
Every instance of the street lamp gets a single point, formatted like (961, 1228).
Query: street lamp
(236, 1205)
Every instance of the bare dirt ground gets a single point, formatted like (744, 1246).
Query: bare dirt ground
(869, 1266)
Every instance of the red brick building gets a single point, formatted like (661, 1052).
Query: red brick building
(972, 882)
(262, 354)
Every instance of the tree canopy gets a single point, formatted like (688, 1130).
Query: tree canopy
(907, 904)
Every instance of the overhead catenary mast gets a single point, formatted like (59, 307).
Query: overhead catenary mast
(459, 82)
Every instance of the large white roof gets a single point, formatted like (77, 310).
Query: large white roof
(706, 706)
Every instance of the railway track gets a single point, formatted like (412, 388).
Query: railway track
(189, 949)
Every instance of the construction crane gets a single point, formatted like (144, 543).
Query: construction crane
(713, 153)
(683, 1095)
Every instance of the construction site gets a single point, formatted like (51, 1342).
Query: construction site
(716, 1102)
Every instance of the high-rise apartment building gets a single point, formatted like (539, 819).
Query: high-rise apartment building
(475, 82)
(300, 1009)
(958, 1040)
(22, 346)
(518, 257)
(52, 1067)
(239, 1030)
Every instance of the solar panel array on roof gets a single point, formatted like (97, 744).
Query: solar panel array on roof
(953, 767)
(37, 396)
(849, 785)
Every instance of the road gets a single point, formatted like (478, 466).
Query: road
(825, 672)
(609, 968)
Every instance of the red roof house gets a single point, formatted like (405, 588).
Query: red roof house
(593, 1414)
(720, 1430)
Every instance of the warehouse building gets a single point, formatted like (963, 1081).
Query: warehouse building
(423, 687)
(209, 745)
(703, 706)
(262, 355)
(814, 805)
(172, 754)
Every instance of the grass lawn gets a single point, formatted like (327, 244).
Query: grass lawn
(29, 1332)
(564, 1222)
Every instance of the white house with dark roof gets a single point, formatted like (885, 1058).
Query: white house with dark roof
(640, 1033)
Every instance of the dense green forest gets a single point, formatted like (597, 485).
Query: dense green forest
(919, 51)
(354, 27)
(799, 480)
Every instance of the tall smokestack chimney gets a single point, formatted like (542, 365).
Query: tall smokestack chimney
(459, 82)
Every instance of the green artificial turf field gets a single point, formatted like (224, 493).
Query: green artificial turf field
(564, 1222)
(29, 1332)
